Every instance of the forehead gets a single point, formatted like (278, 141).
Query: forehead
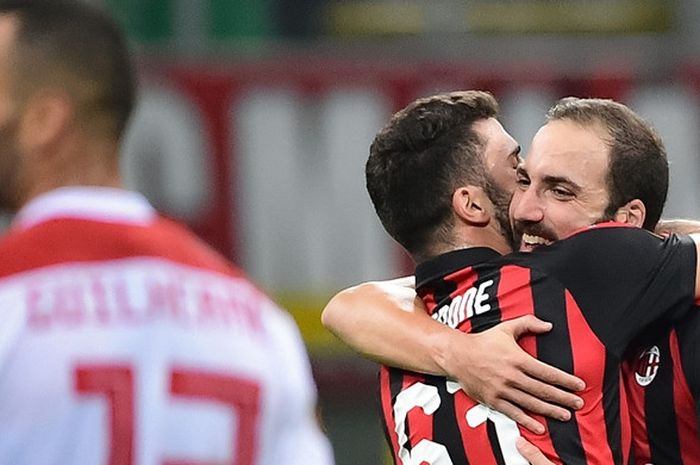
(563, 148)
(497, 141)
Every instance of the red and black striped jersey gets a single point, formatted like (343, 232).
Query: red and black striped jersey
(599, 288)
(663, 385)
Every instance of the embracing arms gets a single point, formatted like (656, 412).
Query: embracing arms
(691, 228)
(387, 322)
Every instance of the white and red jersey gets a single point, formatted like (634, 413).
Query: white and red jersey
(125, 340)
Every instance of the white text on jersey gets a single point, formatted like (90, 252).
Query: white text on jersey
(473, 302)
(147, 293)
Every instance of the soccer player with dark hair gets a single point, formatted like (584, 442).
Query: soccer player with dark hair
(600, 285)
(123, 338)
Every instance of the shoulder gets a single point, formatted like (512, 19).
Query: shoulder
(610, 248)
(72, 240)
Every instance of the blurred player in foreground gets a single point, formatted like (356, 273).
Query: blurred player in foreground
(123, 339)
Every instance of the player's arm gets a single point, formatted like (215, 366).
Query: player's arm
(689, 227)
(696, 239)
(386, 322)
(677, 226)
(684, 226)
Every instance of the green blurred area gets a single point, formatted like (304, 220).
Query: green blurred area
(145, 20)
(230, 19)
(160, 21)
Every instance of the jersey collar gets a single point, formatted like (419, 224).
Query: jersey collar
(449, 262)
(603, 225)
(106, 204)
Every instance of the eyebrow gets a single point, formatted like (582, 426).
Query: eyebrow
(555, 180)
(552, 180)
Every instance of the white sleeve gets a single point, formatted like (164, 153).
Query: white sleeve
(299, 440)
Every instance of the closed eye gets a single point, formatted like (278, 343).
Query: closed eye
(562, 193)
(522, 179)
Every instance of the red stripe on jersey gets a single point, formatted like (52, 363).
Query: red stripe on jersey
(474, 440)
(637, 401)
(684, 407)
(589, 352)
(604, 225)
(429, 301)
(515, 300)
(420, 424)
(66, 240)
(385, 392)
(626, 426)
(464, 279)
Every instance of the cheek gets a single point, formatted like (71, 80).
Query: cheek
(514, 201)
(568, 219)
(506, 179)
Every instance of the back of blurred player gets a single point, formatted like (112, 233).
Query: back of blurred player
(123, 339)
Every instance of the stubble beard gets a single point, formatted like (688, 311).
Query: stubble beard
(500, 199)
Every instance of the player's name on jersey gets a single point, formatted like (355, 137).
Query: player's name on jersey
(133, 294)
(474, 301)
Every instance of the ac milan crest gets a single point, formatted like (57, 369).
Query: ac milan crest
(647, 366)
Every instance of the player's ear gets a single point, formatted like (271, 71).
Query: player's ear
(47, 114)
(471, 205)
(633, 213)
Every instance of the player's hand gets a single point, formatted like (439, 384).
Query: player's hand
(493, 369)
(531, 453)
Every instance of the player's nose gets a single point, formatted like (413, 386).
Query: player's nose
(527, 206)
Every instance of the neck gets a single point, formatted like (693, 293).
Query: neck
(473, 236)
(83, 163)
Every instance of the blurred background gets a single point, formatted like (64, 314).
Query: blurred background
(256, 116)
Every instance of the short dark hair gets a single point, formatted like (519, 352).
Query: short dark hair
(638, 165)
(81, 45)
(420, 158)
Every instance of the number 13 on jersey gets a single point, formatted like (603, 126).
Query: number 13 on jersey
(115, 384)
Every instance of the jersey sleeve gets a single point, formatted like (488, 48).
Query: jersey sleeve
(296, 438)
(624, 279)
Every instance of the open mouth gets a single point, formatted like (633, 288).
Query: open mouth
(530, 240)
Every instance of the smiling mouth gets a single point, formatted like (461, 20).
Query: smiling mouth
(532, 241)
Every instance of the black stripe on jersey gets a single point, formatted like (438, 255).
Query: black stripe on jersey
(441, 291)
(492, 317)
(395, 383)
(660, 414)
(495, 444)
(611, 405)
(554, 348)
(445, 428)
